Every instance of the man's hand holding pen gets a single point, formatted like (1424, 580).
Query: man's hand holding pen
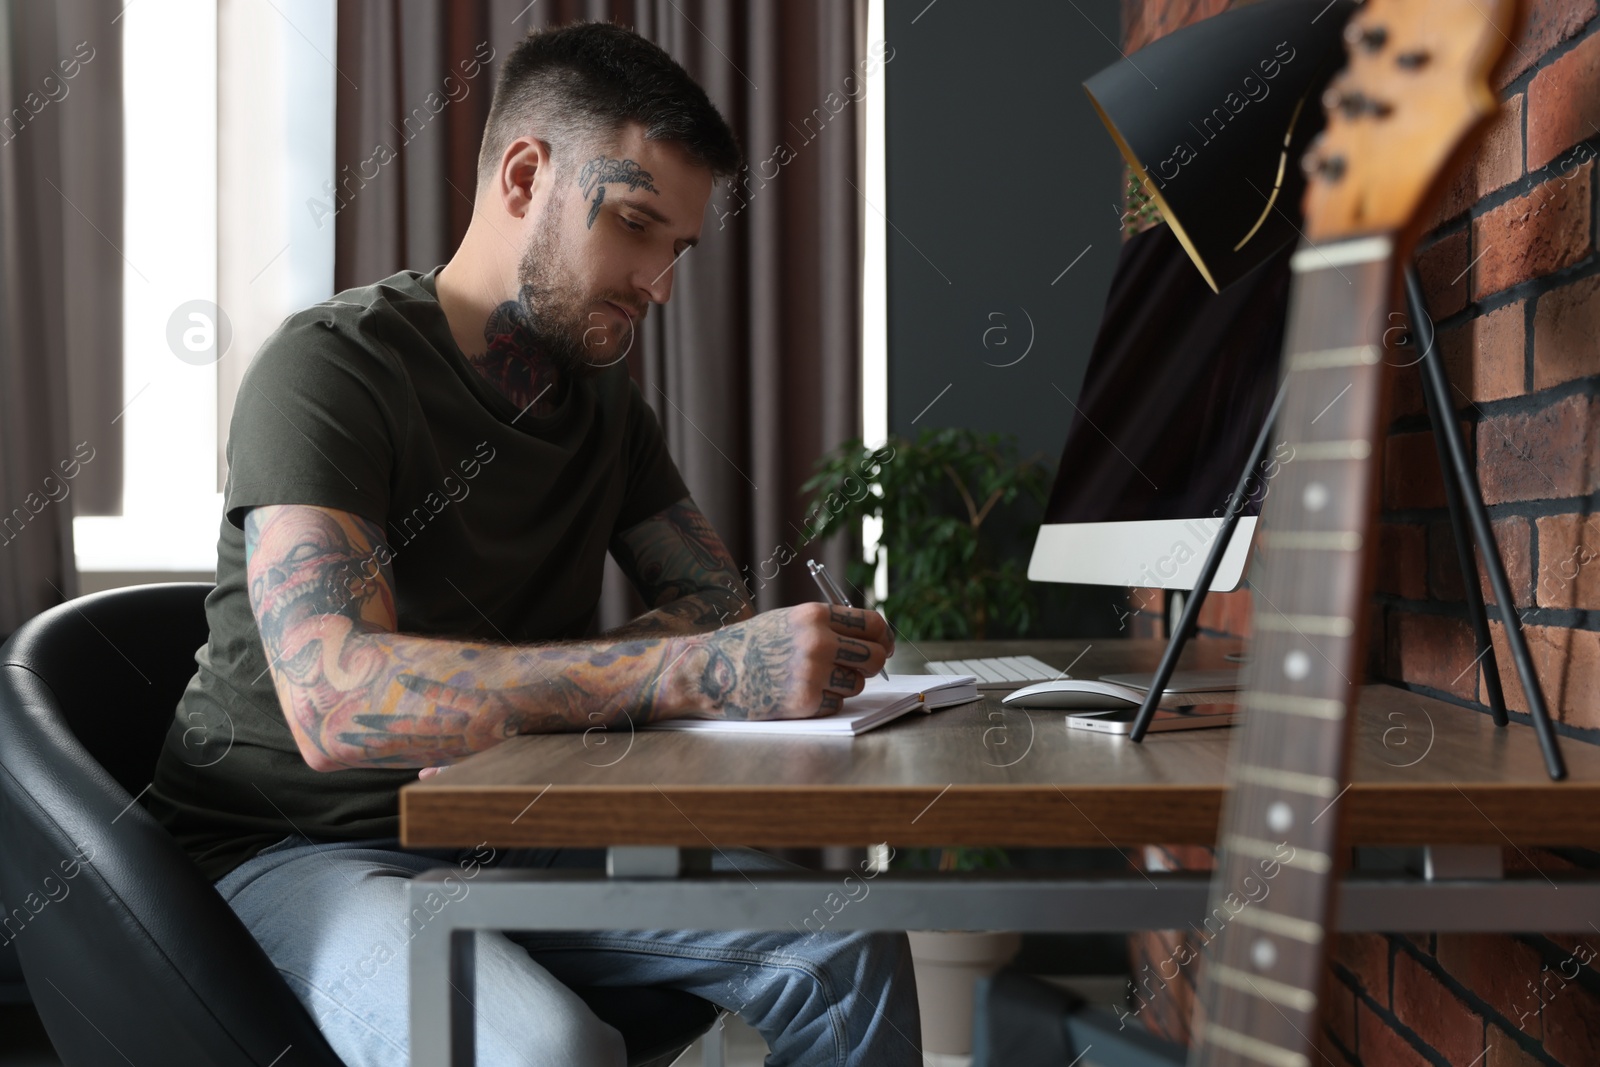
(788, 663)
(834, 595)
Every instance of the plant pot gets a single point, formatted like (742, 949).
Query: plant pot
(948, 964)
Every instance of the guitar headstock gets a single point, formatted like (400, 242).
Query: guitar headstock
(1417, 83)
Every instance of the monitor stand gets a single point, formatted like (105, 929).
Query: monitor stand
(1462, 494)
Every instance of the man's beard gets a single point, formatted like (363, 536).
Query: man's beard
(577, 341)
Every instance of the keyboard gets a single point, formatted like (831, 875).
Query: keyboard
(998, 670)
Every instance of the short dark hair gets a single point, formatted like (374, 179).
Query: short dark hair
(576, 84)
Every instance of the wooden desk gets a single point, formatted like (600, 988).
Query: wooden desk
(1424, 773)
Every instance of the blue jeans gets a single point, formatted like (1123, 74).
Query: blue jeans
(335, 919)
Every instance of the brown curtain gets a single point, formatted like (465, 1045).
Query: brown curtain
(60, 290)
(754, 367)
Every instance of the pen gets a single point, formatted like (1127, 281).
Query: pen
(833, 595)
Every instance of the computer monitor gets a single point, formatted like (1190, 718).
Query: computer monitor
(1178, 384)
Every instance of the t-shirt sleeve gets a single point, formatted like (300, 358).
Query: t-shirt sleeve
(315, 422)
(653, 480)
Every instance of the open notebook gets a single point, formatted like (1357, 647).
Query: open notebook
(875, 705)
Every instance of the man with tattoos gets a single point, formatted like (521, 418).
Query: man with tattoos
(425, 476)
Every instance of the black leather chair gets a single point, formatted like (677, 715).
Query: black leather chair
(129, 953)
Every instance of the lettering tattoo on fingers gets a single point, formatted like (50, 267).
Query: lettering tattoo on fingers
(843, 678)
(847, 617)
(852, 651)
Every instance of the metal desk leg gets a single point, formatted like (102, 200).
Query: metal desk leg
(644, 861)
(715, 1043)
(443, 974)
(1440, 862)
(668, 861)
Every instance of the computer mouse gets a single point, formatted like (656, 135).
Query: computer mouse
(1075, 694)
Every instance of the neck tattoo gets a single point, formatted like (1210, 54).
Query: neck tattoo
(516, 364)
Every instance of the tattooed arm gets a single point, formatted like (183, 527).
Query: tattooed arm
(682, 570)
(356, 693)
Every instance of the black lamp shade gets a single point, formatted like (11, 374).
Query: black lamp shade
(1214, 117)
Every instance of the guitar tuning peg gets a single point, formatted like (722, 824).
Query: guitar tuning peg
(1367, 38)
(1329, 168)
(1354, 103)
(1350, 102)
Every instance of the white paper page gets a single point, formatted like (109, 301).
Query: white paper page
(880, 701)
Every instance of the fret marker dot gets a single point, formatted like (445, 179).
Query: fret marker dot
(1315, 498)
(1279, 816)
(1297, 665)
(1263, 954)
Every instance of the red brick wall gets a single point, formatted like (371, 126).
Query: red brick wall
(1512, 279)
(1510, 271)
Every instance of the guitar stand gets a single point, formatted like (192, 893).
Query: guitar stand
(1465, 501)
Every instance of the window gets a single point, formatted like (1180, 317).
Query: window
(229, 132)
(874, 281)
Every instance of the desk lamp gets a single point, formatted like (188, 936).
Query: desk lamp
(1214, 118)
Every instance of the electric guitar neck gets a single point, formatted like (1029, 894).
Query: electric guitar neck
(1414, 92)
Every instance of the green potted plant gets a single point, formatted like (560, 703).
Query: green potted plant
(947, 580)
(933, 496)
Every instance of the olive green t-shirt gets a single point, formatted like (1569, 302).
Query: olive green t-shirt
(498, 522)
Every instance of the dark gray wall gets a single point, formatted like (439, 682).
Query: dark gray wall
(999, 175)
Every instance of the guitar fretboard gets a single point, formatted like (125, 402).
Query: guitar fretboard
(1266, 929)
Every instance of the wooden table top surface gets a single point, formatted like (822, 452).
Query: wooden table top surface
(1423, 772)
